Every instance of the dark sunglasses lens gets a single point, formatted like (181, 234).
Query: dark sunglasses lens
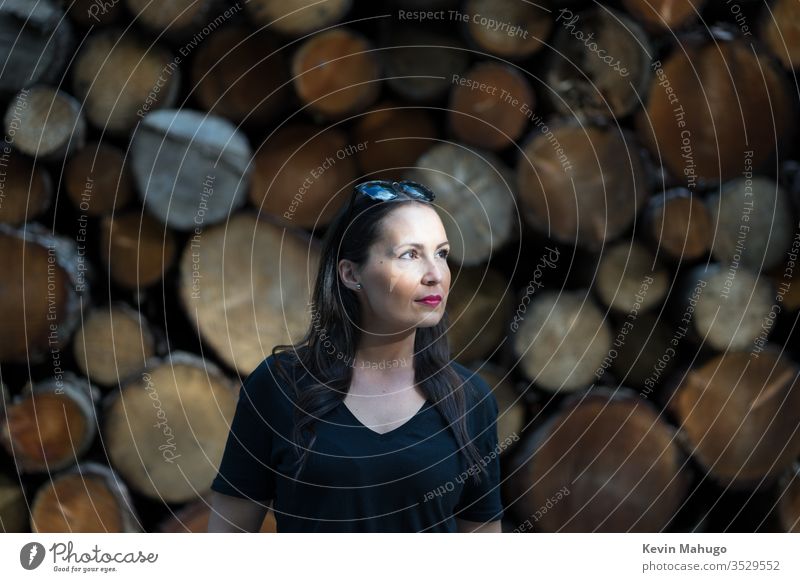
(376, 191)
(416, 190)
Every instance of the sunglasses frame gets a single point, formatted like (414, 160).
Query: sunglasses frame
(394, 189)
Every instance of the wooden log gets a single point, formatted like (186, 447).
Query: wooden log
(5, 399)
(295, 18)
(120, 77)
(302, 175)
(490, 108)
(525, 30)
(51, 424)
(661, 15)
(13, 506)
(779, 29)
(336, 73)
(245, 285)
(753, 223)
(561, 340)
(395, 136)
(36, 42)
(136, 249)
(679, 224)
(45, 123)
(605, 462)
(191, 169)
(738, 416)
(113, 343)
(580, 184)
(788, 506)
(421, 61)
(474, 190)
(94, 13)
(630, 279)
(712, 111)
(787, 279)
(98, 180)
(43, 288)
(511, 406)
(605, 77)
(189, 403)
(478, 307)
(423, 4)
(647, 354)
(85, 499)
(193, 518)
(26, 189)
(734, 310)
(241, 75)
(176, 18)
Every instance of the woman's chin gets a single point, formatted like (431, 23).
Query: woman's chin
(430, 320)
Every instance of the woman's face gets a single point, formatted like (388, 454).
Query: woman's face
(408, 262)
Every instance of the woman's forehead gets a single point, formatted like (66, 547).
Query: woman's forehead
(412, 220)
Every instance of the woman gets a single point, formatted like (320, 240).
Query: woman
(366, 424)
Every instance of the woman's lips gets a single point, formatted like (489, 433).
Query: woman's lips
(433, 302)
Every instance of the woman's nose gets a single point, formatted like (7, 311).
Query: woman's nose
(434, 272)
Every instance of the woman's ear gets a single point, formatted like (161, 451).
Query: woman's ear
(348, 273)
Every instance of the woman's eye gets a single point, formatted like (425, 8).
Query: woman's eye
(446, 252)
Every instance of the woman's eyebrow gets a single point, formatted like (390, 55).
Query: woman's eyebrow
(419, 246)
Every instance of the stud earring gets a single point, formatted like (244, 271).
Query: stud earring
(358, 285)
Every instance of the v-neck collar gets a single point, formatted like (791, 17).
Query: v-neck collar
(360, 424)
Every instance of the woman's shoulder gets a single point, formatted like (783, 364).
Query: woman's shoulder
(480, 396)
(276, 362)
(471, 378)
(267, 381)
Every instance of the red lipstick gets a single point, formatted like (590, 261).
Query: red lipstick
(430, 300)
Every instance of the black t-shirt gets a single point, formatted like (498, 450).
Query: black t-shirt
(411, 479)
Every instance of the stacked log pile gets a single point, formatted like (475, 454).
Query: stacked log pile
(619, 182)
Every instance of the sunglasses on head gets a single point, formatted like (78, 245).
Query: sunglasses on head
(384, 190)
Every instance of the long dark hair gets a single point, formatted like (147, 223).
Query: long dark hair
(336, 322)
